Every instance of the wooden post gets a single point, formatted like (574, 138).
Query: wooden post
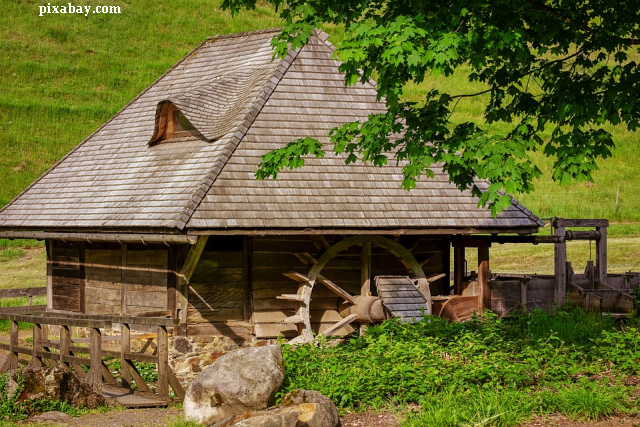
(365, 274)
(123, 279)
(560, 266)
(36, 361)
(601, 255)
(163, 362)
(484, 289)
(458, 269)
(95, 352)
(184, 277)
(83, 279)
(247, 278)
(49, 247)
(13, 343)
(65, 342)
(172, 290)
(125, 347)
(523, 293)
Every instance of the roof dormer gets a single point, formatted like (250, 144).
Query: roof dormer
(171, 123)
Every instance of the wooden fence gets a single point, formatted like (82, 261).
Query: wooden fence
(68, 352)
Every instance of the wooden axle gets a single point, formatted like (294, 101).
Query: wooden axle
(367, 309)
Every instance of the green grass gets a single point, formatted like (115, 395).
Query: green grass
(498, 372)
(65, 75)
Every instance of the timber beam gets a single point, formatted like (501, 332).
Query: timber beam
(486, 241)
(101, 237)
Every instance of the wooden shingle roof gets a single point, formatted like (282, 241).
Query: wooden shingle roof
(244, 104)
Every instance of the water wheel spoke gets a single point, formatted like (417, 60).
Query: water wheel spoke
(336, 289)
(335, 328)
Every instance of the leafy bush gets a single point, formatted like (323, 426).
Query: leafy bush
(441, 364)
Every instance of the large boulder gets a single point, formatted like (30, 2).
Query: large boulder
(302, 408)
(53, 384)
(241, 381)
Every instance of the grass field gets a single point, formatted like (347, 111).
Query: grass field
(65, 75)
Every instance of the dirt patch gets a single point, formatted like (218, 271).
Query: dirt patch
(558, 420)
(154, 417)
(369, 419)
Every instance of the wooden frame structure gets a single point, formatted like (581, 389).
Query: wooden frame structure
(67, 353)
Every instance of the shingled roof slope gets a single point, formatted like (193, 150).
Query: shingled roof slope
(114, 179)
(309, 100)
(244, 104)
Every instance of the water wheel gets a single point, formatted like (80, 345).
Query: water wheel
(363, 308)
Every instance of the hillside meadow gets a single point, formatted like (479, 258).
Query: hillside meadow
(65, 75)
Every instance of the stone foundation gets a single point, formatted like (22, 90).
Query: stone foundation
(189, 355)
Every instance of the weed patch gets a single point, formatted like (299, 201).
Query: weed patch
(493, 372)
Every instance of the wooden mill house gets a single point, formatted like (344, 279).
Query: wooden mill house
(158, 212)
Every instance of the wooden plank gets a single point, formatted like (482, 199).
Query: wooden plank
(561, 222)
(65, 342)
(95, 353)
(247, 278)
(365, 271)
(162, 386)
(108, 376)
(560, 266)
(184, 277)
(175, 384)
(458, 269)
(23, 292)
(125, 347)
(138, 378)
(484, 299)
(124, 288)
(333, 329)
(335, 288)
(231, 329)
(49, 250)
(81, 275)
(601, 256)
(13, 343)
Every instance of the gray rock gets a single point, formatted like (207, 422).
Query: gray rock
(241, 381)
(54, 384)
(52, 417)
(289, 419)
(316, 410)
(310, 408)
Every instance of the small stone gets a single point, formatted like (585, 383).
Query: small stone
(182, 345)
(52, 417)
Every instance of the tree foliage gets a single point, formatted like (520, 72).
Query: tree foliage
(567, 66)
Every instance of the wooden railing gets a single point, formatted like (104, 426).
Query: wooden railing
(68, 351)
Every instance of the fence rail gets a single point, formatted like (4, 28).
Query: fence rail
(68, 351)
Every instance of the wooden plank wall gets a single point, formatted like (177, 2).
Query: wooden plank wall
(109, 278)
(68, 284)
(103, 280)
(145, 278)
(216, 288)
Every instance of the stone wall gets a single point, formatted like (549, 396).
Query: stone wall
(189, 355)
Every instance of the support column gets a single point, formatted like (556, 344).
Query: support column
(184, 277)
(458, 269)
(560, 266)
(601, 256)
(365, 276)
(484, 290)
